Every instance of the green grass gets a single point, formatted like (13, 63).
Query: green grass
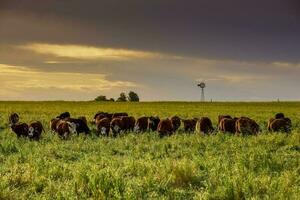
(183, 166)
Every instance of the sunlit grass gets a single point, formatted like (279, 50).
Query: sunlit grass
(183, 166)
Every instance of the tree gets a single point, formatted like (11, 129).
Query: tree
(133, 97)
(111, 99)
(122, 97)
(101, 98)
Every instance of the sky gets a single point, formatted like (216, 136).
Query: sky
(244, 50)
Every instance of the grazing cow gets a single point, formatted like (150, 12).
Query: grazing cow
(141, 124)
(153, 123)
(128, 123)
(176, 122)
(103, 126)
(280, 125)
(228, 125)
(189, 125)
(100, 115)
(66, 128)
(35, 130)
(116, 126)
(165, 127)
(204, 126)
(83, 118)
(64, 115)
(13, 118)
(81, 126)
(246, 126)
(53, 124)
(21, 129)
(279, 116)
(220, 117)
(116, 115)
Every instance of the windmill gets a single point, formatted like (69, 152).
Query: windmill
(202, 86)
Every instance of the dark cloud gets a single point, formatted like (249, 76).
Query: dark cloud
(231, 29)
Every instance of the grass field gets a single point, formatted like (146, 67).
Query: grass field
(144, 166)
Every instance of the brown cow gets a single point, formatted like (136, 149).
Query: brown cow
(116, 126)
(65, 129)
(141, 124)
(204, 126)
(128, 123)
(176, 122)
(35, 130)
(228, 125)
(165, 127)
(83, 118)
(220, 117)
(53, 124)
(280, 125)
(153, 123)
(189, 124)
(13, 118)
(279, 116)
(116, 115)
(64, 115)
(246, 126)
(103, 126)
(100, 115)
(21, 129)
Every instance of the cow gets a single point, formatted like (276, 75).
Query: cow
(35, 130)
(128, 123)
(53, 124)
(279, 116)
(103, 126)
(65, 129)
(100, 115)
(116, 115)
(165, 128)
(116, 126)
(81, 126)
(176, 122)
(280, 125)
(228, 125)
(189, 124)
(21, 129)
(246, 126)
(141, 124)
(153, 123)
(220, 117)
(204, 126)
(83, 118)
(13, 118)
(64, 115)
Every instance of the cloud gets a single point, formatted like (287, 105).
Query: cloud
(17, 81)
(88, 52)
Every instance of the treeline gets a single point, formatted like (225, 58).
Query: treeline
(132, 97)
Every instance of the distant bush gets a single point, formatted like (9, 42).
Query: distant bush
(101, 98)
(133, 97)
(122, 97)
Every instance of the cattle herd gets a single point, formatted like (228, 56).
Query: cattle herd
(116, 123)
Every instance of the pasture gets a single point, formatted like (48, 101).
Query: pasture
(144, 166)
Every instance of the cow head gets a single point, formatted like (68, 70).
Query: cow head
(30, 131)
(13, 119)
(116, 128)
(103, 131)
(72, 127)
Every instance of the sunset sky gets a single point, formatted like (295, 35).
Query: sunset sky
(76, 50)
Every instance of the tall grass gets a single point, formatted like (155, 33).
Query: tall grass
(144, 166)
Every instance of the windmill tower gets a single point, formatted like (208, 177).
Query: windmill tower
(202, 86)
